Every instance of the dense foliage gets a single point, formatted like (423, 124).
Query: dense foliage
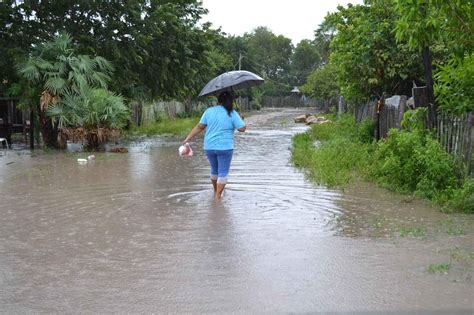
(156, 46)
(322, 83)
(74, 94)
(408, 161)
(454, 85)
(387, 45)
(364, 52)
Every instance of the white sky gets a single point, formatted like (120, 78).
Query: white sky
(294, 19)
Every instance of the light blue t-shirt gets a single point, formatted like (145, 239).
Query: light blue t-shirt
(220, 128)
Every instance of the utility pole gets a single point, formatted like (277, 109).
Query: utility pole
(240, 61)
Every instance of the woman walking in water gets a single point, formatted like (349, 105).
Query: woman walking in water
(220, 121)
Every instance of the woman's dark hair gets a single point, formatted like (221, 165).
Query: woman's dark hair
(227, 100)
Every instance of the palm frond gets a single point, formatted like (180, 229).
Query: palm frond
(99, 79)
(29, 70)
(56, 85)
(104, 64)
(85, 64)
(62, 42)
(79, 82)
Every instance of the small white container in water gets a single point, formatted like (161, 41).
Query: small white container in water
(81, 161)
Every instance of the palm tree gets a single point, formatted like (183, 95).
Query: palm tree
(74, 93)
(91, 117)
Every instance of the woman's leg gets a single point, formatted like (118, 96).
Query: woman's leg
(224, 157)
(214, 184)
(212, 157)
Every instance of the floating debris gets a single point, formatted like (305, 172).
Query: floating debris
(119, 150)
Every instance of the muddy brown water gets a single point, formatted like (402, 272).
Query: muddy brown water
(141, 233)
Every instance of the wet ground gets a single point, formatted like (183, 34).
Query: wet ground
(141, 233)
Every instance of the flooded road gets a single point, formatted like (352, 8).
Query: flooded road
(141, 233)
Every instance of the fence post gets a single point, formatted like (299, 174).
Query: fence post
(401, 110)
(470, 141)
(380, 103)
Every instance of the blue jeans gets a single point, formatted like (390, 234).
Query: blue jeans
(220, 164)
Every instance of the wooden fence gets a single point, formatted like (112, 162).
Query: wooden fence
(456, 133)
(146, 113)
(297, 101)
(389, 116)
(366, 110)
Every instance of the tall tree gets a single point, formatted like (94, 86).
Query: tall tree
(271, 55)
(304, 59)
(366, 53)
(426, 23)
(157, 46)
(322, 83)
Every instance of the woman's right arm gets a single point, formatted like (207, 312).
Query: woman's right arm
(197, 129)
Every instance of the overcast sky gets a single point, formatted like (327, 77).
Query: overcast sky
(294, 19)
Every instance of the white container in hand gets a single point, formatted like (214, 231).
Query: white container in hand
(185, 150)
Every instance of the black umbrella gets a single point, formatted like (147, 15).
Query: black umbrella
(230, 81)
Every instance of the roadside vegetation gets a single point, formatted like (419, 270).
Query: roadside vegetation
(386, 47)
(409, 161)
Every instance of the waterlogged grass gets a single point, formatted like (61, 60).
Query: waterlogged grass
(339, 158)
(176, 126)
(442, 268)
(417, 231)
(409, 162)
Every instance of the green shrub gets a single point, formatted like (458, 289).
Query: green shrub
(366, 131)
(415, 120)
(411, 162)
(414, 162)
(459, 199)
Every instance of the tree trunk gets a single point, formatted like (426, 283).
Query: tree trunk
(32, 129)
(427, 64)
(48, 131)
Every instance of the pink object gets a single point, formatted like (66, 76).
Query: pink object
(185, 150)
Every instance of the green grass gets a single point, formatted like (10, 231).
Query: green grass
(440, 268)
(451, 227)
(408, 162)
(416, 231)
(176, 126)
(455, 231)
(339, 159)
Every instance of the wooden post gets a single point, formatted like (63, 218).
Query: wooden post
(470, 141)
(380, 103)
(427, 64)
(401, 110)
(32, 130)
